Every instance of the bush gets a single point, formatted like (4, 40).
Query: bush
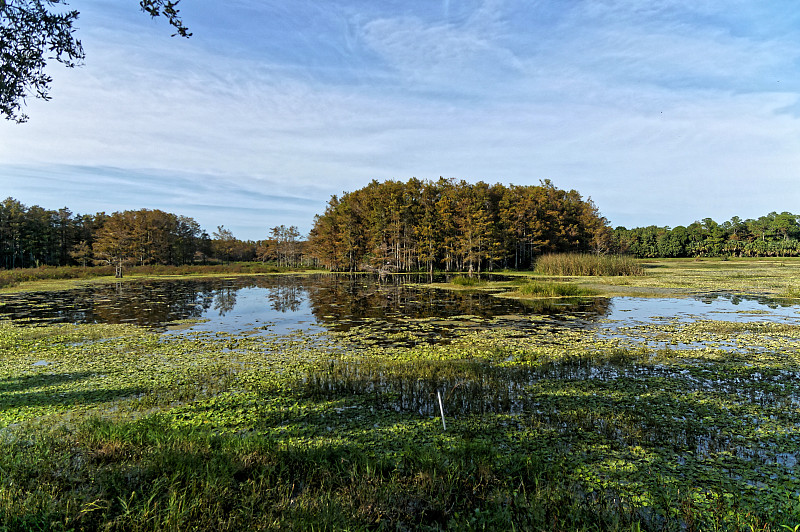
(587, 264)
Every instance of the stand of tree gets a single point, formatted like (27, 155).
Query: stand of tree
(450, 225)
(773, 235)
(417, 225)
(34, 236)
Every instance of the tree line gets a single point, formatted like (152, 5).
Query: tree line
(34, 236)
(453, 225)
(772, 235)
(391, 226)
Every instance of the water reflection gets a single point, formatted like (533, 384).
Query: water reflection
(225, 299)
(371, 306)
(337, 301)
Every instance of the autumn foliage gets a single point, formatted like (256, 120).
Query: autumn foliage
(453, 225)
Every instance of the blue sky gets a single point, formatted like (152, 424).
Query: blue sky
(662, 112)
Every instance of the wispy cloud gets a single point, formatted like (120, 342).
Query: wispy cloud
(662, 112)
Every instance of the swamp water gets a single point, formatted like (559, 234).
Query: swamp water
(314, 303)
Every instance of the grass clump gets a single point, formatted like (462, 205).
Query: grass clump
(587, 264)
(463, 280)
(540, 289)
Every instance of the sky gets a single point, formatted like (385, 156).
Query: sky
(662, 112)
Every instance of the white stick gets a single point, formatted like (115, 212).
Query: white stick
(441, 409)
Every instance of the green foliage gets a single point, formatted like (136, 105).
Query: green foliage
(34, 237)
(555, 429)
(569, 264)
(33, 32)
(773, 235)
(672, 425)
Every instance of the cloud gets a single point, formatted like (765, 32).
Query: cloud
(656, 110)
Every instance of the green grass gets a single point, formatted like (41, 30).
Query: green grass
(548, 289)
(463, 280)
(48, 277)
(584, 264)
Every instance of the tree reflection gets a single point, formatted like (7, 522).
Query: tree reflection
(287, 297)
(339, 301)
(225, 299)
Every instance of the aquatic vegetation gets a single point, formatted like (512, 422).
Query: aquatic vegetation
(545, 289)
(582, 264)
(463, 280)
(791, 293)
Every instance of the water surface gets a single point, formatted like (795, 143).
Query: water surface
(378, 307)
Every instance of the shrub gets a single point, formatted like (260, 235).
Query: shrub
(20, 275)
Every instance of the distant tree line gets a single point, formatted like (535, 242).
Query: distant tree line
(773, 235)
(34, 236)
(415, 225)
(453, 225)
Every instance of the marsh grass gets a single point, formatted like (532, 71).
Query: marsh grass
(791, 293)
(10, 278)
(20, 276)
(549, 289)
(585, 264)
(466, 281)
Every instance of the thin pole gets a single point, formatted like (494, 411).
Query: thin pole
(441, 409)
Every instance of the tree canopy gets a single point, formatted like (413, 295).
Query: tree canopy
(453, 225)
(35, 236)
(33, 32)
(771, 235)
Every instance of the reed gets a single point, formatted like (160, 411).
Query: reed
(541, 289)
(463, 280)
(585, 264)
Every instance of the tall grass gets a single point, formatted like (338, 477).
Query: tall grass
(462, 280)
(554, 290)
(587, 264)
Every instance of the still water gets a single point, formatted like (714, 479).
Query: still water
(280, 304)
